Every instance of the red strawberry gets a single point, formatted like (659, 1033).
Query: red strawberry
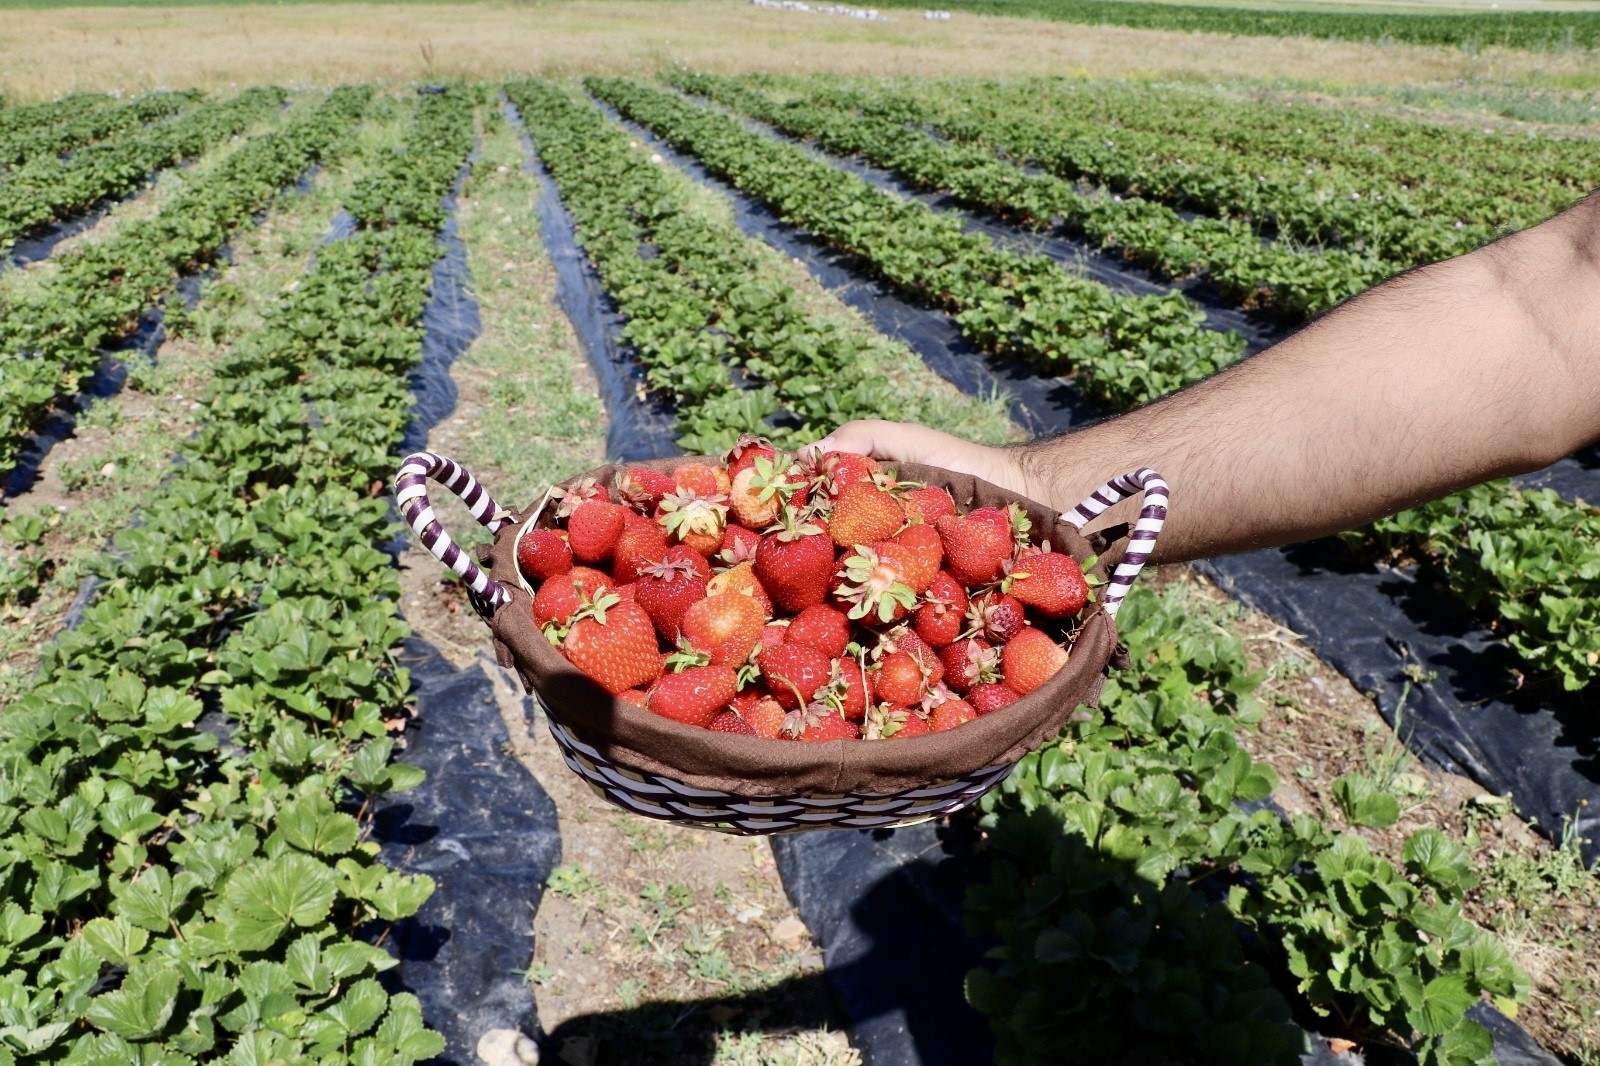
(629, 592)
(741, 579)
(903, 638)
(726, 627)
(635, 696)
(922, 552)
(1031, 658)
(571, 497)
(995, 616)
(642, 489)
(902, 679)
(943, 613)
(543, 553)
(593, 529)
(701, 480)
(986, 699)
(822, 627)
(667, 589)
(886, 722)
(1052, 583)
(795, 564)
(694, 519)
(875, 586)
(817, 724)
(849, 690)
(745, 451)
(950, 714)
(862, 512)
(835, 470)
(695, 696)
(738, 545)
(614, 643)
(561, 596)
(760, 490)
(970, 662)
(641, 542)
(793, 673)
(772, 634)
(974, 551)
(766, 716)
(730, 722)
(993, 517)
(929, 504)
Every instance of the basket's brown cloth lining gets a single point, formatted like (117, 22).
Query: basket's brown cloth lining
(753, 766)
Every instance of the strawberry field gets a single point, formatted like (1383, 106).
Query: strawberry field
(226, 317)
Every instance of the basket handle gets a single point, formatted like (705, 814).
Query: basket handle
(1142, 541)
(411, 494)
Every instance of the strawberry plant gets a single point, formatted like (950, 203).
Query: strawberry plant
(91, 125)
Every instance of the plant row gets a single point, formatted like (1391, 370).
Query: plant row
(1122, 348)
(57, 337)
(695, 293)
(169, 896)
(1553, 31)
(22, 118)
(1127, 851)
(50, 188)
(1403, 206)
(1292, 282)
(92, 125)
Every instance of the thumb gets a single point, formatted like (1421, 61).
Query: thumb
(895, 442)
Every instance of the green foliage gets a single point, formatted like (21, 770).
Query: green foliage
(95, 121)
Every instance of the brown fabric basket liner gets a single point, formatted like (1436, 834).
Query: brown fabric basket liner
(757, 767)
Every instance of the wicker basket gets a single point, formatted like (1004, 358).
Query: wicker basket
(748, 785)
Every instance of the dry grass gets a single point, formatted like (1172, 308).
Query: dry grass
(49, 52)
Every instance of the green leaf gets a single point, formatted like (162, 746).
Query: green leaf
(116, 940)
(312, 824)
(141, 1007)
(1440, 861)
(1439, 1006)
(265, 898)
(1363, 804)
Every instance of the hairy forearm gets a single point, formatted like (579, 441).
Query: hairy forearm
(1474, 368)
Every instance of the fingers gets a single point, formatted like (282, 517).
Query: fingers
(895, 442)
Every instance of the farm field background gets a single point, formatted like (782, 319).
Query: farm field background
(268, 257)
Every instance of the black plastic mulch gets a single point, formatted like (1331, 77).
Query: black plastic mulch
(1364, 621)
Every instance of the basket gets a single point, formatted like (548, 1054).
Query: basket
(662, 769)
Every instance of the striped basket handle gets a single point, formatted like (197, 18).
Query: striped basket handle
(1143, 539)
(411, 493)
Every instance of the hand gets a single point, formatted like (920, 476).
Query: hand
(904, 442)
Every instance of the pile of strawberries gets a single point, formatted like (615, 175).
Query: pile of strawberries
(799, 601)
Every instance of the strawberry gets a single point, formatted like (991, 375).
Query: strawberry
(995, 616)
(635, 696)
(642, 489)
(862, 512)
(642, 542)
(874, 586)
(766, 716)
(921, 552)
(742, 580)
(695, 696)
(573, 496)
(1052, 583)
(738, 545)
(795, 564)
(986, 699)
(903, 638)
(694, 519)
(745, 451)
(974, 551)
(835, 470)
(667, 589)
(849, 689)
(822, 627)
(816, 724)
(628, 592)
(730, 722)
(902, 679)
(929, 504)
(726, 627)
(1031, 658)
(760, 490)
(793, 673)
(950, 714)
(561, 596)
(968, 663)
(593, 529)
(772, 634)
(614, 643)
(701, 480)
(943, 612)
(993, 517)
(886, 722)
(543, 553)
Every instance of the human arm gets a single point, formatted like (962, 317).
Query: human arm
(1473, 368)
